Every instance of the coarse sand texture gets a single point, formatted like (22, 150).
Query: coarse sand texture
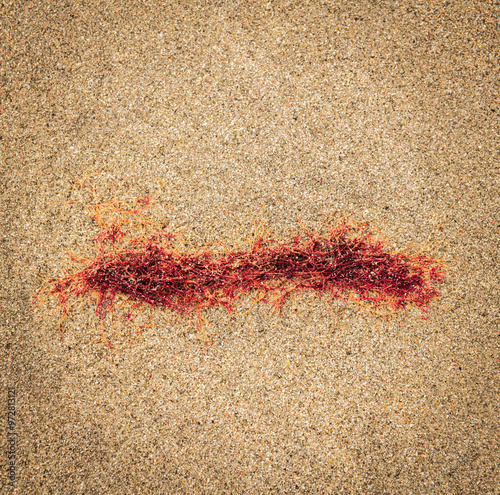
(249, 247)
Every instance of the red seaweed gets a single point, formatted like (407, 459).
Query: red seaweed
(346, 262)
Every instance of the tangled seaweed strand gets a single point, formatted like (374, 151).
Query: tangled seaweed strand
(342, 263)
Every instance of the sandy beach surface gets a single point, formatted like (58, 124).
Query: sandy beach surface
(229, 115)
